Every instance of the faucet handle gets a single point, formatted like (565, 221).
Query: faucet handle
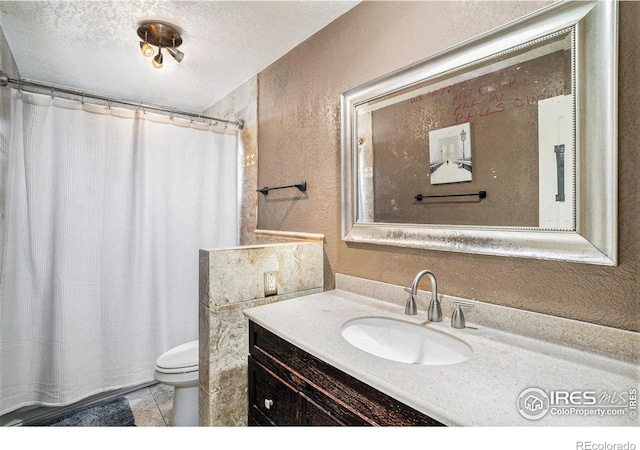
(457, 317)
(411, 308)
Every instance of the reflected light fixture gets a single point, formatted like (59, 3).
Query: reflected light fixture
(161, 35)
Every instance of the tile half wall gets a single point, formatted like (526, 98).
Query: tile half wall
(232, 280)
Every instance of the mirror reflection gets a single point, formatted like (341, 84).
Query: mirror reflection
(503, 126)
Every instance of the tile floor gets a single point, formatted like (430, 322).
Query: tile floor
(151, 405)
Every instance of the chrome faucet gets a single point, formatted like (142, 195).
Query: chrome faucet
(434, 312)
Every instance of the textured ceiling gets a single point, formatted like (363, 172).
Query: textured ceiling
(93, 46)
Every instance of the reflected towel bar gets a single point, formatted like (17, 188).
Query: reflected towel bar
(481, 194)
(302, 186)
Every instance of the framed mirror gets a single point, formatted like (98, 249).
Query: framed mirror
(503, 145)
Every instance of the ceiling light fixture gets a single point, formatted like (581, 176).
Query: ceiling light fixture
(157, 60)
(161, 35)
(177, 54)
(146, 49)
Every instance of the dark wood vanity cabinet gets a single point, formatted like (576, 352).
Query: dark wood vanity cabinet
(288, 386)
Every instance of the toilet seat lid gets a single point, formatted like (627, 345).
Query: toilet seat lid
(184, 357)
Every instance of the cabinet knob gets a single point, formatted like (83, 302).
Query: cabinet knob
(268, 403)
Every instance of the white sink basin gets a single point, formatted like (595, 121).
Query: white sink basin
(405, 342)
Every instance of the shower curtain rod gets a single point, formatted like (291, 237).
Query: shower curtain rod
(20, 83)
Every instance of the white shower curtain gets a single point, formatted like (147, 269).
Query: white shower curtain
(105, 210)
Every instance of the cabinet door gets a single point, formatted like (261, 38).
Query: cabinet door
(271, 400)
(315, 415)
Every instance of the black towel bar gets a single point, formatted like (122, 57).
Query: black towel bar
(302, 186)
(481, 194)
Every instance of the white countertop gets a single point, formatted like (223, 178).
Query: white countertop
(481, 391)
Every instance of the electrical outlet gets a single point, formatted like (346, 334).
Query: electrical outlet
(270, 283)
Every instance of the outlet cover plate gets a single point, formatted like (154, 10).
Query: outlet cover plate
(270, 283)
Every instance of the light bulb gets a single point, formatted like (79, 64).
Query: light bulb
(177, 54)
(146, 49)
(157, 60)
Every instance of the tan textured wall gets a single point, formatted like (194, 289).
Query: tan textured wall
(299, 121)
(504, 148)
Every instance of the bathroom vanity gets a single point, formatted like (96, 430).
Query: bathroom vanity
(302, 371)
(288, 386)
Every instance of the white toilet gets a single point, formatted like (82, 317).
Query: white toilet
(178, 367)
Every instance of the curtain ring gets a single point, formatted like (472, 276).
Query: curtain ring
(82, 100)
(52, 92)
